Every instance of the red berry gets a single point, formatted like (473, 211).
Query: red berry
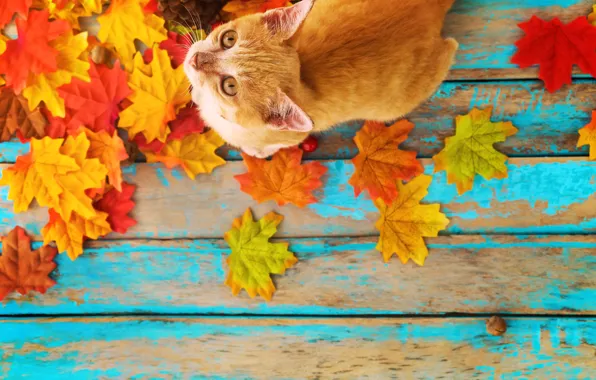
(310, 144)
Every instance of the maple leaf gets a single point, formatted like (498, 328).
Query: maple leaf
(94, 103)
(239, 8)
(31, 53)
(187, 122)
(16, 117)
(117, 204)
(379, 161)
(69, 237)
(123, 22)
(156, 98)
(175, 45)
(587, 136)
(3, 40)
(254, 258)
(592, 16)
(72, 62)
(471, 150)
(23, 270)
(282, 179)
(194, 153)
(404, 222)
(110, 151)
(556, 47)
(9, 8)
(70, 10)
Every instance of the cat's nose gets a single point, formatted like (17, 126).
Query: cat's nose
(202, 59)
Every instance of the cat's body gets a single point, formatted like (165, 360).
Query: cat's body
(307, 69)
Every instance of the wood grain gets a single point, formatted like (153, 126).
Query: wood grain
(540, 348)
(541, 195)
(334, 276)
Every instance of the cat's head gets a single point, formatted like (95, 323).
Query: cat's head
(246, 71)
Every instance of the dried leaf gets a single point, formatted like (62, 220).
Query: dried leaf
(123, 22)
(254, 258)
(194, 153)
(556, 47)
(16, 117)
(404, 222)
(379, 162)
(156, 98)
(110, 151)
(33, 52)
(72, 62)
(118, 205)
(282, 179)
(587, 136)
(471, 150)
(23, 270)
(94, 103)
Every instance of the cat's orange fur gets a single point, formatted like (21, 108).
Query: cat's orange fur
(350, 59)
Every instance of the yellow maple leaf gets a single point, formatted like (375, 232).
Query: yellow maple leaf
(195, 153)
(587, 136)
(155, 98)
(405, 222)
(33, 176)
(254, 258)
(70, 10)
(69, 237)
(471, 150)
(592, 16)
(71, 62)
(123, 22)
(3, 40)
(110, 151)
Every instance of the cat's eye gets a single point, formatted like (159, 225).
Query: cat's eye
(229, 86)
(228, 39)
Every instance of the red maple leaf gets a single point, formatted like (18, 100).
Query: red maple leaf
(556, 47)
(118, 204)
(31, 52)
(10, 7)
(94, 104)
(175, 46)
(24, 270)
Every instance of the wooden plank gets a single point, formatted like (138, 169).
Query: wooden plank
(254, 348)
(547, 123)
(541, 195)
(334, 276)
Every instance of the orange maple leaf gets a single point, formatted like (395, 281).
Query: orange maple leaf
(24, 270)
(110, 151)
(587, 136)
(15, 117)
(380, 162)
(282, 179)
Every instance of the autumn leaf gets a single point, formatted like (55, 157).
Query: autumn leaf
(556, 47)
(239, 8)
(32, 52)
(254, 258)
(72, 62)
(118, 204)
(16, 117)
(379, 161)
(94, 103)
(471, 150)
(195, 153)
(123, 22)
(156, 98)
(70, 10)
(69, 237)
(10, 7)
(110, 151)
(176, 45)
(23, 270)
(592, 16)
(282, 179)
(587, 136)
(404, 222)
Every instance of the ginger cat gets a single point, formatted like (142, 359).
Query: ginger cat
(266, 81)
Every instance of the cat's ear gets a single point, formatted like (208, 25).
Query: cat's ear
(284, 22)
(285, 115)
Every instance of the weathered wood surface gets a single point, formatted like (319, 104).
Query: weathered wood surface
(335, 276)
(541, 195)
(547, 123)
(422, 348)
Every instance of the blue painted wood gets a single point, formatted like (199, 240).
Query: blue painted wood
(334, 276)
(248, 348)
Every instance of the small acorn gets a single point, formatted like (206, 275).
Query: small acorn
(496, 326)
